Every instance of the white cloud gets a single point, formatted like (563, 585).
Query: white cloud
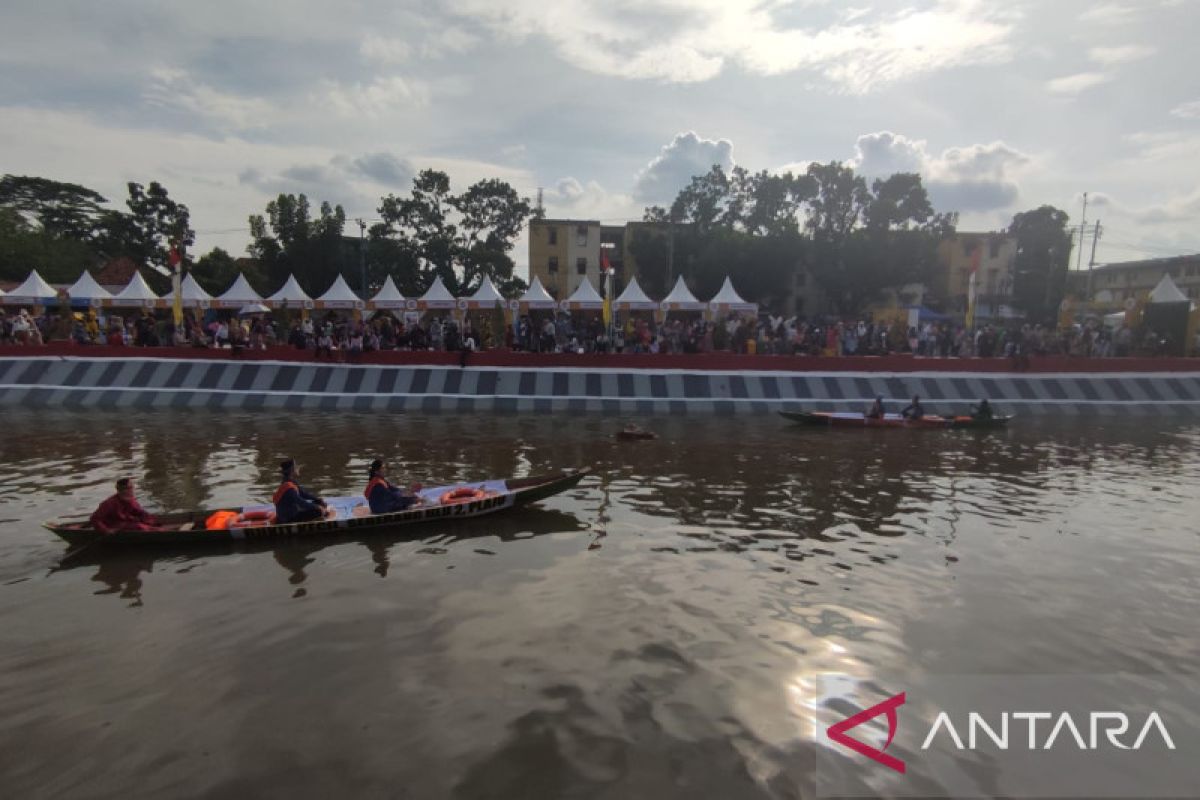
(1074, 84)
(174, 89)
(677, 163)
(384, 49)
(694, 40)
(1176, 208)
(1108, 14)
(1187, 110)
(575, 199)
(1120, 54)
(974, 178)
(383, 96)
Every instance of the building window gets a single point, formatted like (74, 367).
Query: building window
(994, 248)
(581, 266)
(581, 235)
(552, 265)
(552, 235)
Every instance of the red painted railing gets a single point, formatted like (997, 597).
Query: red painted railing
(629, 361)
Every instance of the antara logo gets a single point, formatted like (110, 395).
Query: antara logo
(837, 732)
(1101, 726)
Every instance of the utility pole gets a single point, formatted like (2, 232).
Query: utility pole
(362, 256)
(1082, 230)
(1092, 260)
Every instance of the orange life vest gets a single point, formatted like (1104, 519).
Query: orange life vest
(283, 489)
(375, 481)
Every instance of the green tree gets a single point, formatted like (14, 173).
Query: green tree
(62, 210)
(1043, 257)
(146, 234)
(462, 238)
(288, 240)
(216, 271)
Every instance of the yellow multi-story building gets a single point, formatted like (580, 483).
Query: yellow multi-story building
(563, 253)
(997, 254)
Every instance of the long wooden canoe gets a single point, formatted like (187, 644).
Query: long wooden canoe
(834, 419)
(348, 514)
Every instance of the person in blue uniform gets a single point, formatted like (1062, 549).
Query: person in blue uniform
(383, 497)
(913, 410)
(292, 503)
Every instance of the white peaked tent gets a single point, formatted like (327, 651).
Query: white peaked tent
(436, 296)
(339, 295)
(1168, 292)
(585, 298)
(290, 294)
(634, 299)
(33, 291)
(136, 293)
(388, 296)
(536, 297)
(193, 294)
(729, 300)
(486, 296)
(88, 291)
(240, 294)
(681, 299)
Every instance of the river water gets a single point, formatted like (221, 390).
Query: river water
(653, 633)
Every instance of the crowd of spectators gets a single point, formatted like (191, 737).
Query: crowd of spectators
(338, 337)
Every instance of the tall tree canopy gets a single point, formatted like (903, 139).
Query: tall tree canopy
(288, 240)
(1043, 257)
(461, 238)
(761, 229)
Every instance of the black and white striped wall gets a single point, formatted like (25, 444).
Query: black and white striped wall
(73, 382)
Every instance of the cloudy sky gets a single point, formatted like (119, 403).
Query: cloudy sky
(611, 105)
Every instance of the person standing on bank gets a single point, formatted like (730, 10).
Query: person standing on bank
(292, 503)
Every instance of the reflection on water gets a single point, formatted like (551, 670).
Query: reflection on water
(654, 632)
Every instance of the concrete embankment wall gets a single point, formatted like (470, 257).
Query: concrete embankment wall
(73, 382)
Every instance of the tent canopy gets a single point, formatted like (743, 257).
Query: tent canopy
(32, 290)
(86, 289)
(290, 292)
(634, 299)
(339, 295)
(388, 296)
(241, 293)
(436, 296)
(1167, 292)
(728, 299)
(136, 292)
(486, 296)
(584, 297)
(536, 296)
(681, 298)
(193, 293)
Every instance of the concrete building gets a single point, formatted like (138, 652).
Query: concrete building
(1113, 284)
(562, 252)
(994, 282)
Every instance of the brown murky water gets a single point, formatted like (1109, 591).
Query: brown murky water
(649, 634)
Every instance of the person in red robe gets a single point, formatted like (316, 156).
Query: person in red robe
(122, 512)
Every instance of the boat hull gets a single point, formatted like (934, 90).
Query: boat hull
(844, 420)
(518, 492)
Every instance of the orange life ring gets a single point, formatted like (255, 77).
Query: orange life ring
(256, 515)
(463, 494)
